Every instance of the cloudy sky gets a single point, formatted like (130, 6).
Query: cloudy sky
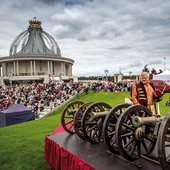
(117, 35)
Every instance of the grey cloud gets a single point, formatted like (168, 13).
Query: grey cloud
(51, 1)
(152, 62)
(82, 27)
(125, 33)
(122, 47)
(134, 64)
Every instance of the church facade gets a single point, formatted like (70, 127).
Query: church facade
(34, 56)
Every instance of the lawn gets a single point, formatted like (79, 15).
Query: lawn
(22, 145)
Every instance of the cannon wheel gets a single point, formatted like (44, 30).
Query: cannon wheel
(77, 119)
(67, 117)
(109, 126)
(128, 144)
(164, 143)
(92, 127)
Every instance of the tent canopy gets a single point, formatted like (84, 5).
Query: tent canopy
(17, 113)
(162, 76)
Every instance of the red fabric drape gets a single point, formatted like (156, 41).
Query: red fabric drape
(59, 129)
(59, 158)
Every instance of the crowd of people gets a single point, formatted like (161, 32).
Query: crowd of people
(37, 95)
(110, 86)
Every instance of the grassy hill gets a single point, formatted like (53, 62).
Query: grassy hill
(22, 145)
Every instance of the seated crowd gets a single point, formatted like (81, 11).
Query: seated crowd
(37, 95)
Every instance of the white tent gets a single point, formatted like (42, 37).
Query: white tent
(162, 76)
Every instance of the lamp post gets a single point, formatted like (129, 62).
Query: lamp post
(164, 63)
(106, 72)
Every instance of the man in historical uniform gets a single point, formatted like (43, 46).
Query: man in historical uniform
(144, 93)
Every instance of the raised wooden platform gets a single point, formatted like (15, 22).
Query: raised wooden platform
(92, 156)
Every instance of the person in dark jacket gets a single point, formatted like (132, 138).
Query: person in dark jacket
(144, 93)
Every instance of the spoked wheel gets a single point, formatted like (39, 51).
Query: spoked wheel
(109, 126)
(67, 117)
(128, 138)
(92, 121)
(164, 143)
(77, 119)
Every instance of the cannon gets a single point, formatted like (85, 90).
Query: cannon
(139, 132)
(67, 117)
(71, 117)
(109, 126)
(77, 119)
(93, 121)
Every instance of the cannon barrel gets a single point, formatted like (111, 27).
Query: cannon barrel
(99, 114)
(138, 121)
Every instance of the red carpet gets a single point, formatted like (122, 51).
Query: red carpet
(59, 129)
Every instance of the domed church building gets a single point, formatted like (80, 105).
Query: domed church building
(34, 56)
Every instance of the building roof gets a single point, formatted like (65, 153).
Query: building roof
(34, 41)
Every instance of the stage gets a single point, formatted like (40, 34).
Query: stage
(68, 152)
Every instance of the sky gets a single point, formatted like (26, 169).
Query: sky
(114, 35)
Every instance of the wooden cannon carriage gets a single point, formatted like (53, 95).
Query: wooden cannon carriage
(87, 120)
(94, 121)
(138, 132)
(129, 130)
(71, 117)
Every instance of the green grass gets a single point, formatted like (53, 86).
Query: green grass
(22, 145)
